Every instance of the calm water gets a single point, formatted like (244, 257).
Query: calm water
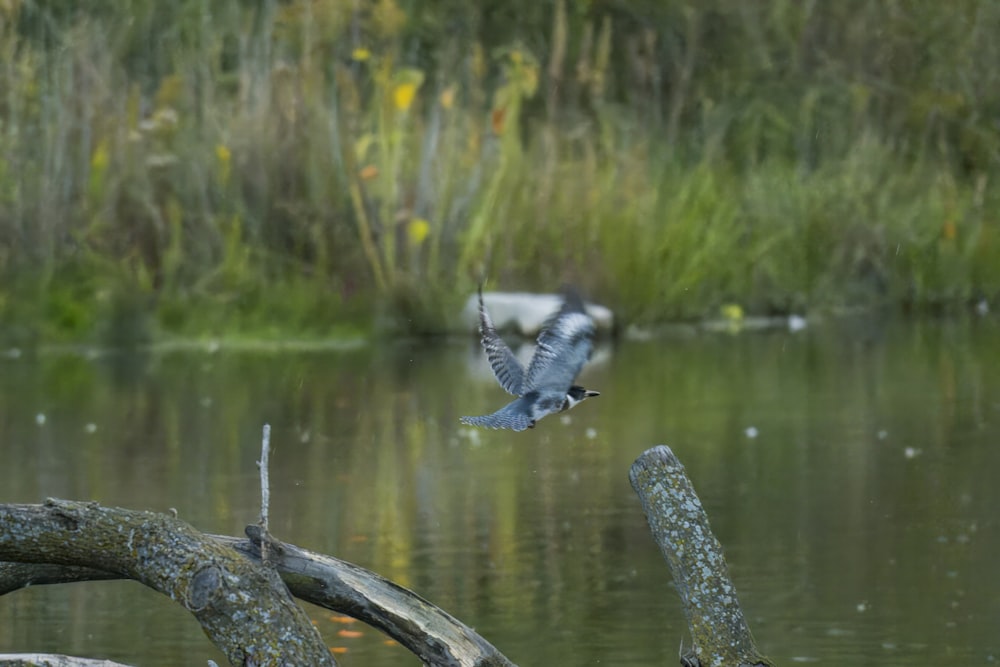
(860, 523)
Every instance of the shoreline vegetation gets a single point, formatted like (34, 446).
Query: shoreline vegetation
(323, 168)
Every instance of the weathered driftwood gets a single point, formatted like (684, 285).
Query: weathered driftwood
(52, 660)
(680, 526)
(435, 636)
(432, 634)
(244, 608)
(248, 613)
(14, 576)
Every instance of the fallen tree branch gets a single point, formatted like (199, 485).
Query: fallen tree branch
(52, 660)
(244, 608)
(427, 631)
(15, 576)
(680, 526)
(62, 538)
(432, 634)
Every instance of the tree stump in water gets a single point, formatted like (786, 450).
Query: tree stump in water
(247, 611)
(680, 526)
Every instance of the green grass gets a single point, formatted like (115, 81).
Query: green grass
(297, 170)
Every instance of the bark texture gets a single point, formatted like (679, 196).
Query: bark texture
(436, 637)
(680, 526)
(14, 576)
(244, 608)
(433, 635)
(247, 611)
(52, 660)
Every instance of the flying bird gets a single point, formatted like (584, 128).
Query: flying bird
(546, 386)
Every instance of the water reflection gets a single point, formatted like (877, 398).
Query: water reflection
(859, 521)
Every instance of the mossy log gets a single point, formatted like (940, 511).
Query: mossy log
(247, 611)
(243, 607)
(721, 636)
(52, 660)
(433, 635)
(15, 576)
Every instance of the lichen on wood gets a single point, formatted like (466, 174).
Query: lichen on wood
(436, 637)
(721, 636)
(243, 607)
(52, 660)
(248, 612)
(432, 634)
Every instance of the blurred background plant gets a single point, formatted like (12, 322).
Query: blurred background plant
(319, 167)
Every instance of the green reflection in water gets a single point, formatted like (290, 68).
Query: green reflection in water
(859, 522)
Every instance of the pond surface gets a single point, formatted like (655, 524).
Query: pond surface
(860, 522)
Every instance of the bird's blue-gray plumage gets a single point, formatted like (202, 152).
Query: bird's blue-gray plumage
(546, 386)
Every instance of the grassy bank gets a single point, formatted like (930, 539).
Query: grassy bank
(301, 168)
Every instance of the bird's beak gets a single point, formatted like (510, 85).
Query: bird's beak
(590, 393)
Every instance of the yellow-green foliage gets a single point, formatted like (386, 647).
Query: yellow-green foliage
(282, 166)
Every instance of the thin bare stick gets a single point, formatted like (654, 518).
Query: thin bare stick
(265, 491)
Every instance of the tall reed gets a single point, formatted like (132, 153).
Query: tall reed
(293, 167)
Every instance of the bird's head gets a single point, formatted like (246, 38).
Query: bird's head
(577, 394)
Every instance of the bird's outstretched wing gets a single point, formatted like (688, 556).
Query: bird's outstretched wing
(515, 416)
(564, 346)
(506, 367)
